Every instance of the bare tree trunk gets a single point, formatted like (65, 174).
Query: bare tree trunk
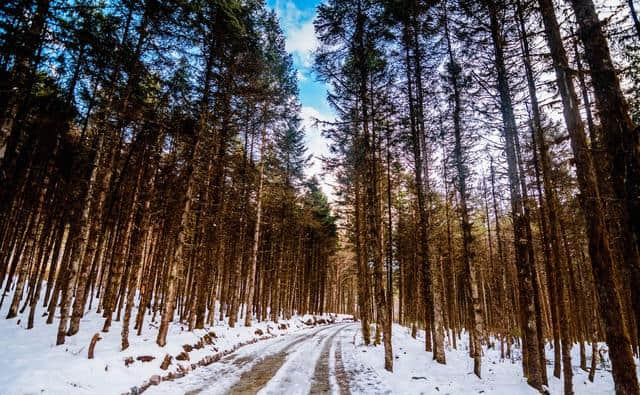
(599, 247)
(532, 364)
(468, 256)
(364, 297)
(79, 243)
(248, 316)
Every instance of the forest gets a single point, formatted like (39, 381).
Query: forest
(482, 186)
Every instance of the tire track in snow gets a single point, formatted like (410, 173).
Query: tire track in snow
(264, 368)
(320, 383)
(294, 374)
(342, 378)
(330, 361)
(218, 377)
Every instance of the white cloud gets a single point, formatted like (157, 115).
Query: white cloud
(298, 26)
(317, 145)
(301, 42)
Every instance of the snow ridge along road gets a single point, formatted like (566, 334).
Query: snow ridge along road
(304, 363)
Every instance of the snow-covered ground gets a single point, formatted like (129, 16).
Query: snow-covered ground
(300, 359)
(415, 372)
(330, 360)
(31, 363)
(287, 365)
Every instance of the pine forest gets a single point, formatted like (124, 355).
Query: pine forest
(326, 196)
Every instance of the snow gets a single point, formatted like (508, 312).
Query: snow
(282, 361)
(415, 372)
(296, 373)
(291, 375)
(32, 363)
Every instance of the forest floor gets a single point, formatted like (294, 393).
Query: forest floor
(415, 371)
(294, 358)
(334, 360)
(31, 363)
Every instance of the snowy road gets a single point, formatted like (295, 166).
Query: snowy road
(303, 363)
(333, 360)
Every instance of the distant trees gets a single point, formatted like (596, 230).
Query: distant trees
(351, 60)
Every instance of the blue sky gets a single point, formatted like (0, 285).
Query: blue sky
(296, 18)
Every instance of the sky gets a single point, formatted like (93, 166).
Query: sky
(296, 19)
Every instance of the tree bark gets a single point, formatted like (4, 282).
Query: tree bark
(599, 245)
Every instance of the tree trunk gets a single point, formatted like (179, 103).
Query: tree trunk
(468, 256)
(599, 246)
(532, 364)
(256, 238)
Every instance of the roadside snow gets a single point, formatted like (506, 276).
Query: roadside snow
(415, 372)
(31, 363)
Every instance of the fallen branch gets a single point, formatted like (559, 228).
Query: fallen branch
(92, 345)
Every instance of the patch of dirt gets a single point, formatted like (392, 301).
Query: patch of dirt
(341, 375)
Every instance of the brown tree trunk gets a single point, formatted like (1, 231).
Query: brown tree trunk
(79, 243)
(599, 246)
(256, 238)
(364, 297)
(468, 256)
(532, 364)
